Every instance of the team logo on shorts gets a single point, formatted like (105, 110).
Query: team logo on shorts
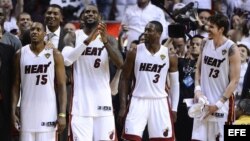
(126, 130)
(217, 138)
(47, 55)
(75, 139)
(111, 135)
(165, 132)
(224, 52)
(162, 56)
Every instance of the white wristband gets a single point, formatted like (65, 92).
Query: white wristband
(219, 104)
(197, 88)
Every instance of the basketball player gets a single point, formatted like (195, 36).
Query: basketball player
(92, 111)
(216, 78)
(149, 63)
(36, 68)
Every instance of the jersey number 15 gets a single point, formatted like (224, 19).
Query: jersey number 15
(41, 79)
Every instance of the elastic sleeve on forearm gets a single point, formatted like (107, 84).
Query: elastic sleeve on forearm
(115, 82)
(174, 89)
(71, 54)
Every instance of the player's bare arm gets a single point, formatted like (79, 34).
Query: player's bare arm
(126, 77)
(234, 73)
(174, 83)
(114, 52)
(197, 90)
(173, 59)
(15, 91)
(111, 45)
(71, 54)
(70, 39)
(61, 89)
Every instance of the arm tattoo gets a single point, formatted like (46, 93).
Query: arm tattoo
(202, 46)
(231, 50)
(111, 40)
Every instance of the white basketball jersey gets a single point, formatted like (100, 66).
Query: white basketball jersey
(150, 72)
(215, 75)
(92, 93)
(38, 103)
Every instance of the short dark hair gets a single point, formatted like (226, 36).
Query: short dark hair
(158, 26)
(242, 45)
(221, 21)
(43, 26)
(56, 6)
(244, 105)
(91, 4)
(204, 10)
(141, 35)
(197, 36)
(23, 13)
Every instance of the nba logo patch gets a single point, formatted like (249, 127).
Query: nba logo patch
(162, 57)
(165, 132)
(224, 52)
(47, 55)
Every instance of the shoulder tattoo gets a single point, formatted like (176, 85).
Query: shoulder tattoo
(231, 50)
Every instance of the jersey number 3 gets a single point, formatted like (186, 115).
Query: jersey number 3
(157, 76)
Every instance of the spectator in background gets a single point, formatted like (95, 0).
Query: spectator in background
(69, 38)
(217, 6)
(229, 6)
(55, 35)
(203, 16)
(121, 6)
(232, 35)
(7, 37)
(136, 17)
(53, 20)
(169, 5)
(186, 68)
(169, 44)
(246, 84)
(71, 9)
(243, 112)
(24, 22)
(171, 49)
(104, 6)
(69, 27)
(180, 46)
(36, 8)
(239, 25)
(246, 87)
(244, 54)
(240, 22)
(11, 13)
(6, 59)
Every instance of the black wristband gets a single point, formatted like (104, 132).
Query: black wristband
(105, 42)
(86, 43)
(224, 98)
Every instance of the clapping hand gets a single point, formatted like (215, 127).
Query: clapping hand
(102, 29)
